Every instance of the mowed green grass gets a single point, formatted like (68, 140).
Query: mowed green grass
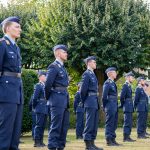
(73, 144)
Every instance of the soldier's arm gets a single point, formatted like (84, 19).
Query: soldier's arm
(36, 94)
(123, 94)
(84, 87)
(105, 94)
(136, 98)
(2, 52)
(51, 75)
(75, 104)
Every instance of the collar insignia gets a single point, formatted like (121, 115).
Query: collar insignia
(7, 42)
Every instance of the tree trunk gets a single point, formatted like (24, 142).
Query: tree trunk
(101, 78)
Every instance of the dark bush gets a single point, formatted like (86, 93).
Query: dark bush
(29, 78)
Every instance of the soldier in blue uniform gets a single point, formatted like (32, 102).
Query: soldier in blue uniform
(11, 97)
(145, 89)
(32, 113)
(127, 105)
(79, 111)
(40, 108)
(110, 106)
(58, 99)
(89, 97)
(140, 104)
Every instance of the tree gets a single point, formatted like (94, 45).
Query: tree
(116, 31)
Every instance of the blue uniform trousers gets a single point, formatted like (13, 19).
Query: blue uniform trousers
(91, 124)
(58, 128)
(127, 126)
(111, 124)
(79, 123)
(40, 126)
(146, 117)
(33, 122)
(10, 125)
(141, 121)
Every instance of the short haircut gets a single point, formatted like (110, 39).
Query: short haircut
(5, 25)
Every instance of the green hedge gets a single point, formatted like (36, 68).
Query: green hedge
(29, 78)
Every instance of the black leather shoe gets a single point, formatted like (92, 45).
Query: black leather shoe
(142, 137)
(109, 142)
(116, 143)
(128, 139)
(97, 148)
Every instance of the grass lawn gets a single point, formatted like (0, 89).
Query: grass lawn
(73, 144)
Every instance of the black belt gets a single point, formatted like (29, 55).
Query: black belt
(93, 94)
(142, 100)
(11, 74)
(42, 100)
(60, 88)
(128, 99)
(112, 97)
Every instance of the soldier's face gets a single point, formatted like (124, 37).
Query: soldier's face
(92, 64)
(131, 79)
(14, 30)
(42, 78)
(113, 74)
(63, 55)
(142, 82)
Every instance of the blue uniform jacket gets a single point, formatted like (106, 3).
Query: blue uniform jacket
(89, 85)
(39, 101)
(78, 106)
(11, 88)
(109, 96)
(141, 99)
(126, 98)
(57, 77)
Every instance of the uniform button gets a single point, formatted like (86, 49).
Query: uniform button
(12, 56)
(6, 81)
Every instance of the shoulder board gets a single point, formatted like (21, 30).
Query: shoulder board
(89, 71)
(56, 64)
(7, 42)
(52, 65)
(139, 86)
(109, 81)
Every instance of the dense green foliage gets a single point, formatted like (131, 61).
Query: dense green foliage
(29, 78)
(116, 31)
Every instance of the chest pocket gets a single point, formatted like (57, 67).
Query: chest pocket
(113, 88)
(12, 59)
(61, 74)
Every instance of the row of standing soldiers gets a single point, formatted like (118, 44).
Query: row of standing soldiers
(86, 102)
(54, 89)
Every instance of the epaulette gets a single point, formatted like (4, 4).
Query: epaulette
(139, 86)
(89, 71)
(126, 83)
(7, 42)
(109, 81)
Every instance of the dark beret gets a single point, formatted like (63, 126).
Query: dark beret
(11, 19)
(60, 46)
(86, 60)
(140, 78)
(40, 73)
(110, 69)
(129, 74)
